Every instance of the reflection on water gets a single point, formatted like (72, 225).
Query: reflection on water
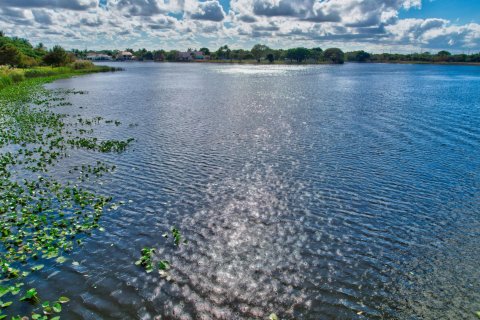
(238, 69)
(312, 192)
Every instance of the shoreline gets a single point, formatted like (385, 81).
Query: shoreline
(14, 76)
(249, 62)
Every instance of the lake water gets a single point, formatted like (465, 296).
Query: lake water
(312, 192)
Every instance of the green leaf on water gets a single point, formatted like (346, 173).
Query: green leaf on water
(37, 267)
(273, 316)
(47, 310)
(63, 300)
(57, 307)
(61, 259)
(4, 291)
(163, 265)
(15, 290)
(477, 314)
(31, 294)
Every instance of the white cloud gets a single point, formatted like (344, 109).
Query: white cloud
(208, 10)
(435, 33)
(60, 4)
(349, 24)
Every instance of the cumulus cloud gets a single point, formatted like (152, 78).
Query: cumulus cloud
(366, 12)
(349, 24)
(435, 33)
(209, 10)
(42, 17)
(60, 4)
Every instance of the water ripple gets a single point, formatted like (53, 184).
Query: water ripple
(316, 192)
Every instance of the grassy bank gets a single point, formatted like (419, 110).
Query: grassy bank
(9, 76)
(43, 219)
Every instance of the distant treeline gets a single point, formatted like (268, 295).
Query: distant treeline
(426, 57)
(258, 53)
(20, 53)
(262, 53)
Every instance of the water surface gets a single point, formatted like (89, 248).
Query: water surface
(312, 192)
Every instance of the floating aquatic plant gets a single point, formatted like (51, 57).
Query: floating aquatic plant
(163, 265)
(177, 236)
(30, 295)
(272, 316)
(146, 259)
(42, 219)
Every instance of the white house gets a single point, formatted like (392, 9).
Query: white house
(125, 55)
(192, 56)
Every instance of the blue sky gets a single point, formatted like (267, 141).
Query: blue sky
(456, 10)
(463, 11)
(373, 25)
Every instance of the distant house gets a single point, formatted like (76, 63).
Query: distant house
(199, 55)
(98, 57)
(192, 56)
(125, 55)
(185, 56)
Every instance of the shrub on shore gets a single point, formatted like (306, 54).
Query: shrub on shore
(58, 57)
(9, 76)
(82, 64)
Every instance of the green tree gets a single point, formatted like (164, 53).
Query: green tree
(334, 55)
(159, 55)
(259, 51)
(358, 56)
(316, 53)
(444, 53)
(148, 55)
(279, 54)
(10, 55)
(298, 54)
(223, 52)
(270, 57)
(205, 51)
(22, 45)
(57, 57)
(172, 55)
(443, 56)
(41, 47)
(240, 54)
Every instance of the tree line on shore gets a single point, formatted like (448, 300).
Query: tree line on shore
(262, 53)
(20, 61)
(20, 52)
